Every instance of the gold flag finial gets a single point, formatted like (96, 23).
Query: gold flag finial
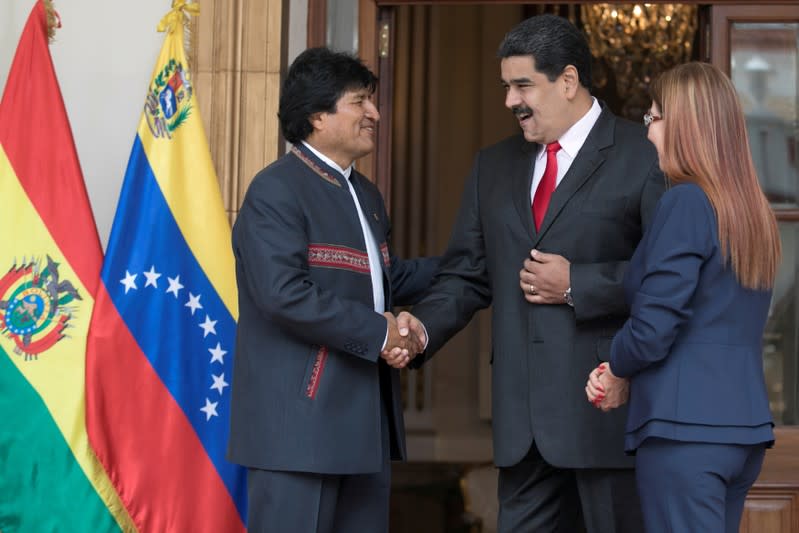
(179, 14)
(53, 20)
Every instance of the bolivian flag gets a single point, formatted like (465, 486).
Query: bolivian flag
(162, 335)
(50, 259)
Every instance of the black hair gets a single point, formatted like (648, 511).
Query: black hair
(554, 43)
(316, 80)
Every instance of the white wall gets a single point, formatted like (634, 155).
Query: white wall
(104, 55)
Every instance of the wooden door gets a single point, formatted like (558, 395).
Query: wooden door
(757, 46)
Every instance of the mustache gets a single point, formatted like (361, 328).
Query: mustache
(520, 110)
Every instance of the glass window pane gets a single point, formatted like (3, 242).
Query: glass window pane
(764, 68)
(342, 25)
(780, 339)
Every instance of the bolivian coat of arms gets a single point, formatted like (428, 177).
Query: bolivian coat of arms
(35, 306)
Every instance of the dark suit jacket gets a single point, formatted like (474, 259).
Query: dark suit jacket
(693, 343)
(542, 354)
(306, 386)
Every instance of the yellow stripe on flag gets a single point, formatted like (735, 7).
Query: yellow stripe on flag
(58, 375)
(194, 200)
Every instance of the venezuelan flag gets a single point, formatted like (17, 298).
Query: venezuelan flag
(159, 359)
(50, 259)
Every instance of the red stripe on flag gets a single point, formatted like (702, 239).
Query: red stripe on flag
(13, 275)
(36, 136)
(150, 469)
(46, 342)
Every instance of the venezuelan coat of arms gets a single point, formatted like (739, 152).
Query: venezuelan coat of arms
(168, 102)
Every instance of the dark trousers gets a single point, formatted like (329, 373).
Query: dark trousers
(305, 502)
(317, 503)
(689, 486)
(537, 497)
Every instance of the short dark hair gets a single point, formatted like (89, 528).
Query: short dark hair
(317, 78)
(554, 43)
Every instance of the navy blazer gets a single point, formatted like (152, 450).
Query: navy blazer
(692, 344)
(307, 394)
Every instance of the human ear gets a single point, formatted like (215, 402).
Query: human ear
(571, 80)
(317, 121)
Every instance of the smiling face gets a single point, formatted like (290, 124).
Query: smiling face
(541, 106)
(349, 132)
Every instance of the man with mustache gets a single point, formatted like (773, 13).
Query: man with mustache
(548, 221)
(316, 413)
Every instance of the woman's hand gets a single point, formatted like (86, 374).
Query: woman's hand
(605, 390)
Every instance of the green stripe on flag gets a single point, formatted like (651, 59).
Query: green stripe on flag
(37, 462)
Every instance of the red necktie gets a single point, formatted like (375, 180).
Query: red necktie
(544, 191)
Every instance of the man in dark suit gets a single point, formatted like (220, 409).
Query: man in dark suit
(316, 413)
(567, 202)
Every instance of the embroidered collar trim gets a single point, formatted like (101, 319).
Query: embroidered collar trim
(315, 167)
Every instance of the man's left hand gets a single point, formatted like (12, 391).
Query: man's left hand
(544, 278)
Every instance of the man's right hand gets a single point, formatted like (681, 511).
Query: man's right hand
(406, 338)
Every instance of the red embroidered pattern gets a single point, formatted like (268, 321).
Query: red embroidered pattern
(316, 373)
(386, 258)
(326, 255)
(313, 166)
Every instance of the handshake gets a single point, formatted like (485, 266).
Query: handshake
(406, 338)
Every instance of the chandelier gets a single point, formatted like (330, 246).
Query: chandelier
(636, 42)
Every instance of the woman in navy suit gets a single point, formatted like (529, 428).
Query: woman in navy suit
(699, 288)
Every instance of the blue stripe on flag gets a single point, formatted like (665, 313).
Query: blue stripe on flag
(183, 342)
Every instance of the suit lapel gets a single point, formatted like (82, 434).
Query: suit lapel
(369, 206)
(522, 181)
(372, 213)
(588, 160)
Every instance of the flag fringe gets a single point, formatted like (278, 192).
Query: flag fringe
(180, 15)
(53, 20)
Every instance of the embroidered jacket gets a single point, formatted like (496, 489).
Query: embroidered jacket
(308, 376)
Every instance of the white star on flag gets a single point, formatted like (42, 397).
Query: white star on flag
(194, 303)
(129, 281)
(217, 354)
(209, 409)
(209, 326)
(152, 277)
(174, 285)
(219, 382)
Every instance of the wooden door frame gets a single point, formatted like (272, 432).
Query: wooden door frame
(782, 461)
(370, 19)
(368, 16)
(373, 13)
(723, 14)
(781, 468)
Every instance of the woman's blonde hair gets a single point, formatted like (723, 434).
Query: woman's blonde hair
(705, 142)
